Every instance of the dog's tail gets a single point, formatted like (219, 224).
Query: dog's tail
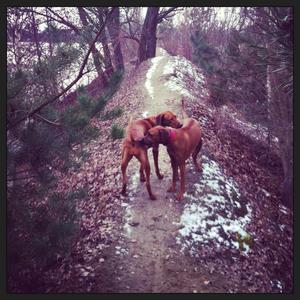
(130, 120)
(183, 113)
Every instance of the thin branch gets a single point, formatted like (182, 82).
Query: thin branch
(131, 38)
(63, 21)
(46, 120)
(80, 74)
(60, 20)
(163, 14)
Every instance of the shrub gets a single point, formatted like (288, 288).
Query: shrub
(117, 132)
(38, 237)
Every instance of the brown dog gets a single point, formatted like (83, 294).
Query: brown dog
(181, 143)
(133, 145)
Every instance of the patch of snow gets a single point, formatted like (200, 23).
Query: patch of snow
(183, 76)
(132, 186)
(266, 193)
(128, 218)
(277, 283)
(283, 209)
(210, 214)
(161, 52)
(145, 114)
(148, 84)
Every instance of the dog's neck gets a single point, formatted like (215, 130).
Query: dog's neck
(172, 134)
(151, 121)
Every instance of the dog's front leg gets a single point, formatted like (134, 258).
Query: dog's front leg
(182, 181)
(155, 158)
(174, 165)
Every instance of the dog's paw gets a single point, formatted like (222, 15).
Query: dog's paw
(160, 176)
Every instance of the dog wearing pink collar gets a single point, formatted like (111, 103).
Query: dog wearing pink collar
(181, 144)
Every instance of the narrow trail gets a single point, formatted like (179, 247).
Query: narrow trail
(156, 220)
(147, 257)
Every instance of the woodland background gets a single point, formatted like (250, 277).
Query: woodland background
(63, 66)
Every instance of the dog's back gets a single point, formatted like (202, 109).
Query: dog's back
(136, 130)
(191, 137)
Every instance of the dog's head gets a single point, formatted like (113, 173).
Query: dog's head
(156, 135)
(167, 118)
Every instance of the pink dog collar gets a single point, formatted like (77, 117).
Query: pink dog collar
(172, 134)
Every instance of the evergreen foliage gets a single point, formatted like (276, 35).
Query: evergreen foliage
(39, 237)
(42, 224)
(114, 113)
(208, 59)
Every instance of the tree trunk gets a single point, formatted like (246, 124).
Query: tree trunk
(281, 112)
(53, 83)
(114, 32)
(148, 37)
(95, 53)
(107, 57)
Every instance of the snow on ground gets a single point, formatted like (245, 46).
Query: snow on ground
(255, 131)
(161, 52)
(145, 114)
(148, 84)
(214, 212)
(133, 186)
(183, 77)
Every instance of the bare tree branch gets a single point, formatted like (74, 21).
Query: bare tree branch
(40, 117)
(130, 38)
(63, 21)
(80, 74)
(60, 19)
(163, 14)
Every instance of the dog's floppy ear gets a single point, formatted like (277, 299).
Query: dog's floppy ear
(163, 136)
(159, 119)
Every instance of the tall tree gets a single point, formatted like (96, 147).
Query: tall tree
(96, 54)
(114, 32)
(103, 38)
(280, 88)
(148, 36)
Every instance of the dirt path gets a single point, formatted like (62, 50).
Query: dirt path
(146, 257)
(152, 224)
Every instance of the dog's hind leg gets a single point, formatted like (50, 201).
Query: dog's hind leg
(143, 158)
(174, 165)
(142, 175)
(155, 158)
(182, 181)
(126, 157)
(194, 155)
